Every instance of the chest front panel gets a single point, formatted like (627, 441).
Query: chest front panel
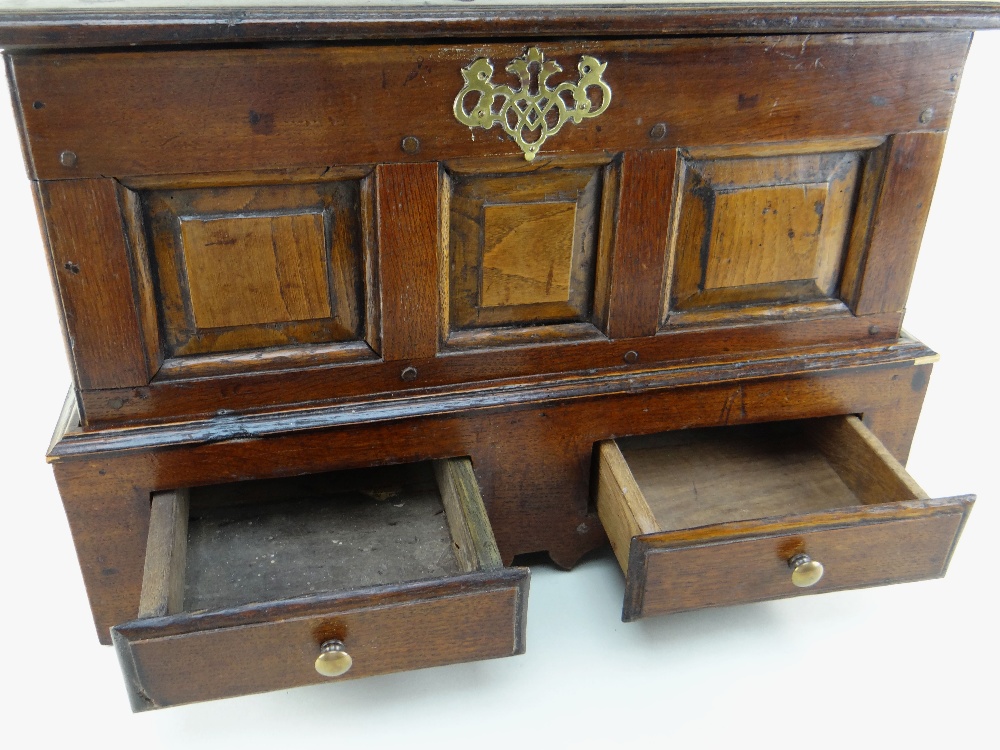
(332, 222)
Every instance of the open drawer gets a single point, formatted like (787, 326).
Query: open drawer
(271, 584)
(727, 515)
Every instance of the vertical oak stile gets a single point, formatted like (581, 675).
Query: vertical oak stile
(638, 263)
(135, 234)
(408, 238)
(444, 257)
(93, 274)
(607, 222)
(369, 235)
(898, 221)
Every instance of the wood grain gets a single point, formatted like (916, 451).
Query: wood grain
(142, 267)
(903, 202)
(902, 542)
(166, 555)
(759, 231)
(92, 271)
(319, 360)
(621, 505)
(786, 222)
(275, 539)
(272, 646)
(693, 478)
(641, 231)
(475, 545)
(730, 506)
(873, 474)
(582, 352)
(105, 26)
(284, 107)
(532, 449)
(255, 266)
(407, 208)
(522, 246)
(528, 252)
(256, 270)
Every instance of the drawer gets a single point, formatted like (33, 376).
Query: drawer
(271, 584)
(719, 516)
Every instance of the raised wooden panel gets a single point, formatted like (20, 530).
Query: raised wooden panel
(788, 222)
(522, 249)
(279, 260)
(766, 231)
(514, 272)
(252, 267)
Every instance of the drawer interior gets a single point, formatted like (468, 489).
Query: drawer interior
(268, 540)
(692, 478)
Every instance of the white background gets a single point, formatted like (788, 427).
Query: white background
(912, 665)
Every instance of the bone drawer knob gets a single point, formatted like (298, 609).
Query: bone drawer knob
(333, 660)
(805, 571)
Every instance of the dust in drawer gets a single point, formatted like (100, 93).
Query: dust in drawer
(275, 539)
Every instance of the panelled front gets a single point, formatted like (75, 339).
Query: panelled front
(526, 248)
(273, 223)
(759, 234)
(253, 267)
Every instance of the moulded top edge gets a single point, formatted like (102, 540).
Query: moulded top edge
(54, 24)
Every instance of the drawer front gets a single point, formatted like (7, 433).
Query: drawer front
(883, 545)
(198, 657)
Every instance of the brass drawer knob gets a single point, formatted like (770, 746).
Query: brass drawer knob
(805, 570)
(333, 660)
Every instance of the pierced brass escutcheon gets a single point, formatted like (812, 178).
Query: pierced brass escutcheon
(333, 659)
(530, 116)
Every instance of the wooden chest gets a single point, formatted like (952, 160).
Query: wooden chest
(330, 281)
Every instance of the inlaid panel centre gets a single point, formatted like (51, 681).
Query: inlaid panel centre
(243, 267)
(760, 235)
(528, 253)
(778, 240)
(524, 250)
(256, 269)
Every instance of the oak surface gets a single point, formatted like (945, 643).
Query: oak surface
(532, 450)
(232, 109)
(205, 656)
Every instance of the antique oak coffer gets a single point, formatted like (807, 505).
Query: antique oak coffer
(356, 315)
